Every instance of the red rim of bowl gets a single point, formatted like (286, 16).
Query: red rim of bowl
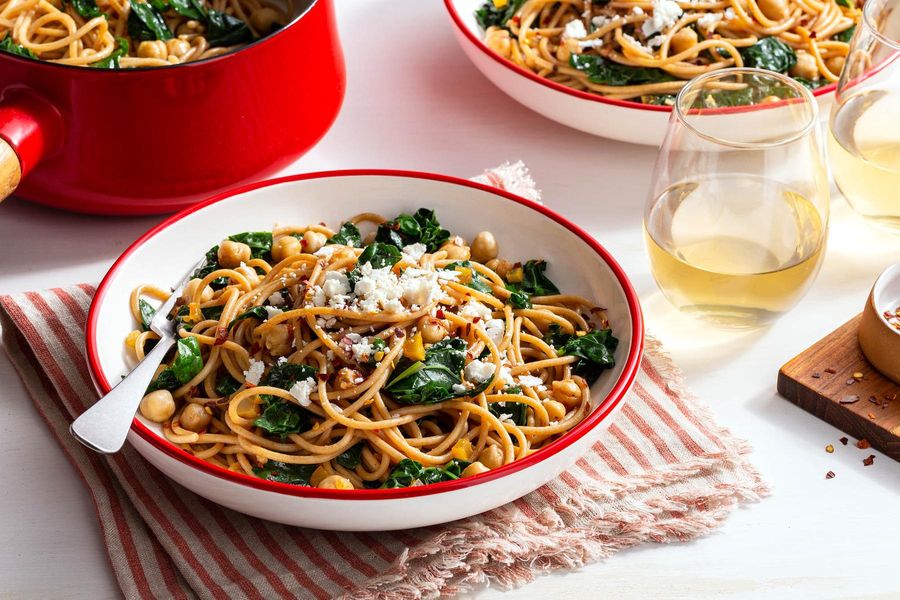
(454, 15)
(613, 398)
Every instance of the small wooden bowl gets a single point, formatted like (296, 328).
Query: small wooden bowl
(879, 340)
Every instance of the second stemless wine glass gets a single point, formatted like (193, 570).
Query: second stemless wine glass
(864, 145)
(737, 216)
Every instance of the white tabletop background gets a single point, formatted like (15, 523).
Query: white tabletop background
(415, 102)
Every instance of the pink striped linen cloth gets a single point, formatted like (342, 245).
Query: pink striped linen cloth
(663, 472)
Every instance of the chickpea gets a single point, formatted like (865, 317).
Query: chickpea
(231, 254)
(835, 64)
(190, 290)
(475, 468)
(806, 66)
(278, 339)
(491, 457)
(195, 417)
(152, 49)
(499, 266)
(178, 47)
(433, 330)
(286, 246)
(684, 39)
(567, 393)
(346, 378)
(776, 10)
(456, 249)
(318, 476)
(555, 410)
(484, 247)
(158, 406)
(770, 99)
(263, 19)
(313, 241)
(336, 482)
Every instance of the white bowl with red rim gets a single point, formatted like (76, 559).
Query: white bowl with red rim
(577, 263)
(623, 120)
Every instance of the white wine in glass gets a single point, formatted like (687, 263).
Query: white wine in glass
(864, 140)
(736, 224)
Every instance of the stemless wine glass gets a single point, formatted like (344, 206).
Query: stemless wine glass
(864, 145)
(737, 217)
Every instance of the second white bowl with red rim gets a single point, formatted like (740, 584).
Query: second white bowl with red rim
(578, 264)
(622, 120)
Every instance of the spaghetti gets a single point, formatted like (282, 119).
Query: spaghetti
(647, 50)
(309, 356)
(134, 33)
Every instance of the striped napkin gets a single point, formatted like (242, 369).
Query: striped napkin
(663, 472)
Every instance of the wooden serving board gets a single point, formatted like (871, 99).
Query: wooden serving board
(817, 380)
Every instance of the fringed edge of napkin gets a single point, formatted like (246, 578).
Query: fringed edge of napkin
(472, 555)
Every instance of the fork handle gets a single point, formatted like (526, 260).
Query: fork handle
(104, 426)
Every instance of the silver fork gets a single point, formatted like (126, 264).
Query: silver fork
(104, 426)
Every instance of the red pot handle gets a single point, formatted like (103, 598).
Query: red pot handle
(30, 130)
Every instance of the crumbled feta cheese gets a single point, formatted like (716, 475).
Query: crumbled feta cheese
(665, 14)
(530, 381)
(376, 288)
(276, 299)
(393, 306)
(326, 251)
(505, 376)
(729, 14)
(637, 10)
(656, 41)
(594, 43)
(362, 350)
(271, 311)
(336, 288)
(479, 371)
(601, 21)
(301, 391)
(458, 388)
(420, 286)
(255, 372)
(494, 328)
(574, 29)
(473, 308)
(448, 275)
(413, 252)
(505, 417)
(708, 20)
(636, 42)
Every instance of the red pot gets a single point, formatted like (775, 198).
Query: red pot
(154, 140)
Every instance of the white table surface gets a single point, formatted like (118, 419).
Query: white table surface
(415, 102)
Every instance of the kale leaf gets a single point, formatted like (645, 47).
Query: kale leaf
(10, 47)
(281, 418)
(147, 313)
(86, 8)
(191, 9)
(420, 228)
(490, 15)
(225, 30)
(517, 410)
(476, 281)
(348, 235)
(351, 457)
(846, 35)
(211, 264)
(145, 23)
(594, 350)
(284, 375)
(282, 472)
(112, 61)
(408, 472)
(606, 72)
(519, 299)
(770, 53)
(227, 385)
(534, 283)
(188, 362)
(166, 380)
(432, 380)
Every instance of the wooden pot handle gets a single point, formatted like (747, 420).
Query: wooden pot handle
(10, 170)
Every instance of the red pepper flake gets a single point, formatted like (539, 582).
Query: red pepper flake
(254, 348)
(440, 313)
(812, 35)
(830, 371)
(844, 441)
(516, 20)
(829, 475)
(221, 336)
(323, 376)
(867, 461)
(863, 443)
(399, 333)
(468, 329)
(476, 319)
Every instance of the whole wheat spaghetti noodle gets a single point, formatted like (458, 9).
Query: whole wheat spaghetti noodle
(134, 33)
(648, 49)
(342, 360)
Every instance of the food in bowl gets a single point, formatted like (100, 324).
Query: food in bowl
(646, 51)
(134, 33)
(400, 357)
